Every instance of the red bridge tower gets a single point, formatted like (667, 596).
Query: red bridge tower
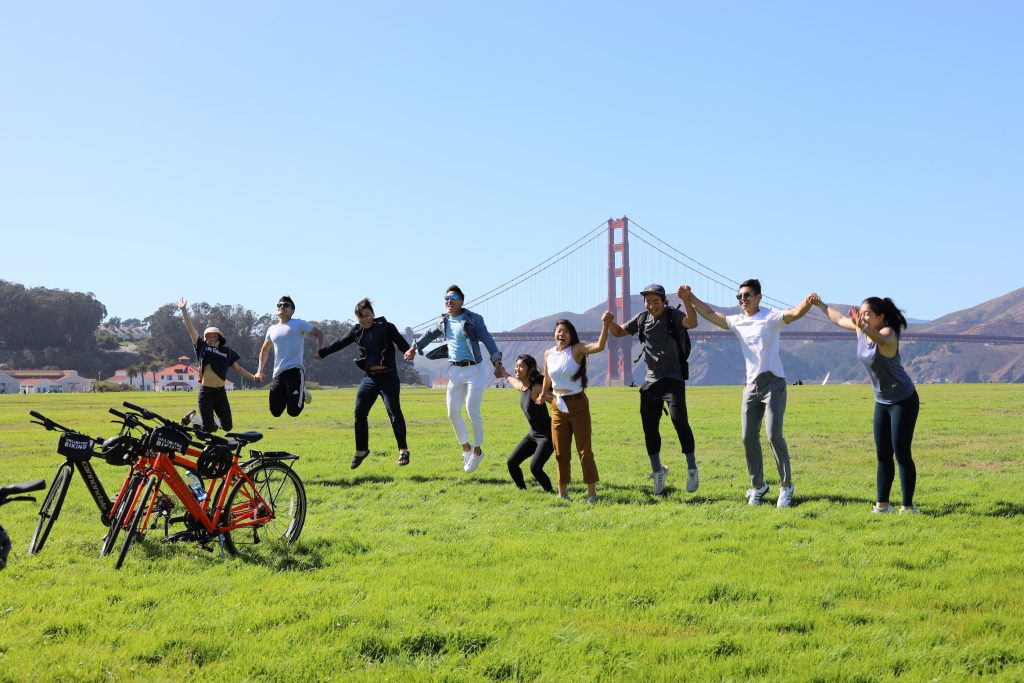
(620, 362)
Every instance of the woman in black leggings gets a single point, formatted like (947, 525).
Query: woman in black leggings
(878, 324)
(536, 445)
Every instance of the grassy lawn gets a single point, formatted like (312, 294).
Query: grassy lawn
(427, 573)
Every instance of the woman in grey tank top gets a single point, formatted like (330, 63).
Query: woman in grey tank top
(878, 324)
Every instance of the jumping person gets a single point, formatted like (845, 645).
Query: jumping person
(662, 337)
(758, 331)
(536, 445)
(878, 324)
(215, 357)
(565, 379)
(286, 337)
(463, 331)
(377, 339)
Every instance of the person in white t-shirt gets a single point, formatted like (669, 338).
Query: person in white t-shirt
(765, 392)
(287, 337)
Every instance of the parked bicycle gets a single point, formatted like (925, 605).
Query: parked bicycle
(77, 449)
(246, 506)
(10, 494)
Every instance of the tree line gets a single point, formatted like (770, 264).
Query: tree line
(42, 327)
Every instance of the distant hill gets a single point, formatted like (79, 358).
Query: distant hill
(720, 362)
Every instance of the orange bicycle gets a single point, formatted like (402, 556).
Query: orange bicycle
(251, 507)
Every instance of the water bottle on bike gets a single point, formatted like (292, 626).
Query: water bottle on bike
(196, 485)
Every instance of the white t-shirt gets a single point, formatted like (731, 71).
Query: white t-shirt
(759, 341)
(288, 339)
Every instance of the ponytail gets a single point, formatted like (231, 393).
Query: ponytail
(892, 315)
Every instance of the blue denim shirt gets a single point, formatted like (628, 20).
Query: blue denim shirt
(476, 330)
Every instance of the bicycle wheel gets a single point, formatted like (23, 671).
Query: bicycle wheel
(142, 507)
(50, 510)
(277, 485)
(119, 513)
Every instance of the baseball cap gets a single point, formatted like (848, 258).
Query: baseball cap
(654, 289)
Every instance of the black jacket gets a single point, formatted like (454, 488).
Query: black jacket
(386, 355)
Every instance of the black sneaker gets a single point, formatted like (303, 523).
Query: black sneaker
(357, 459)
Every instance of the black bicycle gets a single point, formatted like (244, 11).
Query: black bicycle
(77, 449)
(10, 494)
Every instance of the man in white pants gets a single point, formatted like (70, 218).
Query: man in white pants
(765, 392)
(463, 331)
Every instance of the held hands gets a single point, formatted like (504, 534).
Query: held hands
(410, 353)
(499, 371)
(685, 292)
(813, 299)
(259, 377)
(607, 317)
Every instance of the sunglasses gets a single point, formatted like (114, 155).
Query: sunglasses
(451, 297)
(284, 304)
(745, 295)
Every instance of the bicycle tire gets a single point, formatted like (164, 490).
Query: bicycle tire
(49, 511)
(280, 486)
(119, 514)
(140, 511)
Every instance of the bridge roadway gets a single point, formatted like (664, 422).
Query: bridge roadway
(721, 335)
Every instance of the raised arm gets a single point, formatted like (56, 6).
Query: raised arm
(616, 329)
(800, 310)
(837, 318)
(686, 294)
(182, 305)
(581, 349)
(705, 311)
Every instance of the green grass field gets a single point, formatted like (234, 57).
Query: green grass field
(426, 573)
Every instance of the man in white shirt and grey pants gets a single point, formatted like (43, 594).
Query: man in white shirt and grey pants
(765, 392)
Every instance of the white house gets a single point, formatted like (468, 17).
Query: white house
(9, 385)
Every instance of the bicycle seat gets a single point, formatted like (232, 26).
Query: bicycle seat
(245, 437)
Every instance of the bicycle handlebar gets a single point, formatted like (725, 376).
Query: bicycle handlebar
(7, 492)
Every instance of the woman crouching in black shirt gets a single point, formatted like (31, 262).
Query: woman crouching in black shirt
(215, 357)
(377, 339)
(536, 445)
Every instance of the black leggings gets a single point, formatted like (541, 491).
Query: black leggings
(214, 400)
(288, 390)
(652, 397)
(538, 448)
(894, 432)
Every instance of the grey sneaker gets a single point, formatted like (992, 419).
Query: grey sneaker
(785, 497)
(592, 499)
(565, 498)
(473, 461)
(882, 510)
(754, 495)
(659, 480)
(692, 480)
(307, 397)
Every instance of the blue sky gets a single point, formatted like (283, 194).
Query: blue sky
(230, 152)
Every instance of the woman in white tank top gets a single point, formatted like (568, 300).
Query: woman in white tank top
(565, 377)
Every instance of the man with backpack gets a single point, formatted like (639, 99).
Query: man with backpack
(665, 347)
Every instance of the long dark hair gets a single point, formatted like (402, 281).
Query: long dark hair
(890, 313)
(574, 338)
(531, 368)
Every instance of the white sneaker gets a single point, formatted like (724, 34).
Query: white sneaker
(659, 480)
(785, 497)
(882, 511)
(909, 511)
(754, 495)
(692, 480)
(474, 461)
(466, 455)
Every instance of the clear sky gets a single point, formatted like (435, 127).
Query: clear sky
(230, 152)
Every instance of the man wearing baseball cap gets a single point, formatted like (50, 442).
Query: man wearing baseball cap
(664, 346)
(215, 357)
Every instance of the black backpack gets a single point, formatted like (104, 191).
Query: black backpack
(682, 342)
